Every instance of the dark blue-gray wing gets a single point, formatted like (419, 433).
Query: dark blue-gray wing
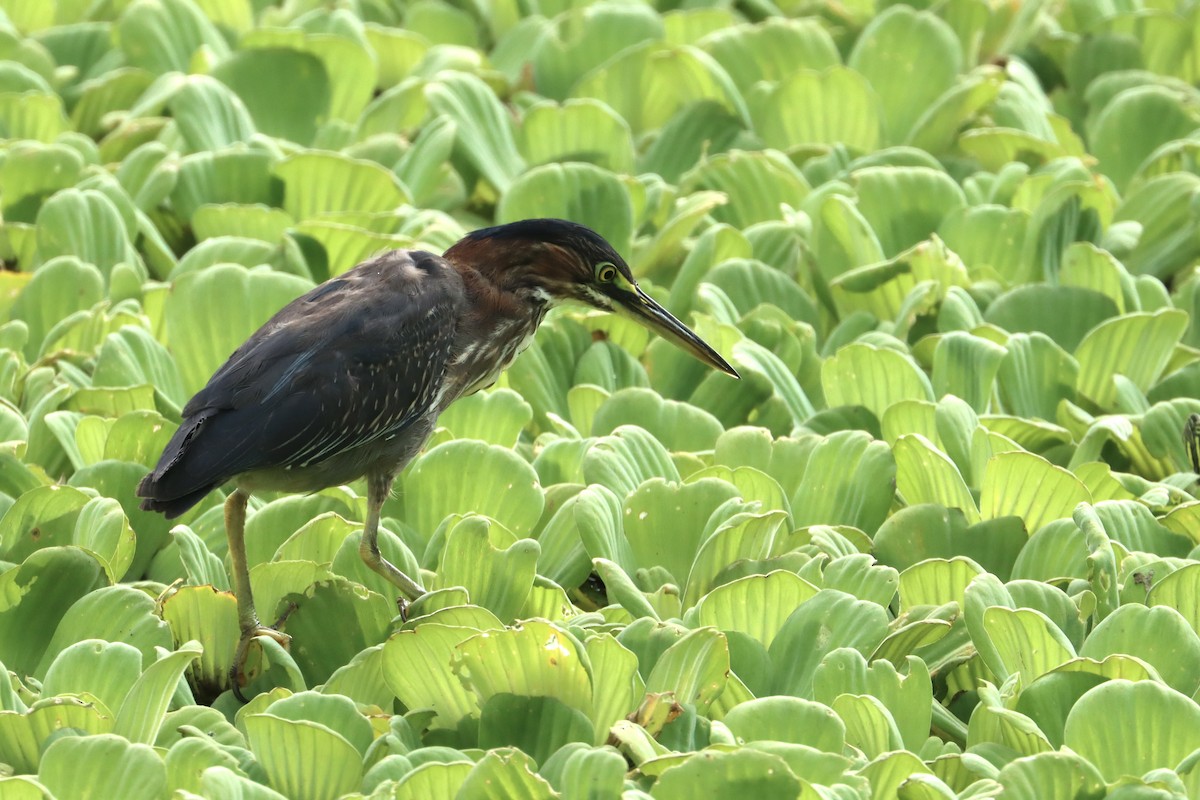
(354, 360)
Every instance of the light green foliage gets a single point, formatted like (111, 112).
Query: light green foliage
(942, 540)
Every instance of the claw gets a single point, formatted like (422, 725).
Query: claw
(243, 647)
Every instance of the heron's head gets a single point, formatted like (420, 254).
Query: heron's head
(553, 260)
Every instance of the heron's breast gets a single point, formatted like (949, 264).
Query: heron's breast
(479, 364)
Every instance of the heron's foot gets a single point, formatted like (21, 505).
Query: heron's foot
(410, 589)
(249, 634)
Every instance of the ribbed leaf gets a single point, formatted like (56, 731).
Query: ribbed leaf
(1131, 728)
(533, 660)
(1136, 346)
(865, 375)
(503, 487)
(141, 713)
(1027, 486)
(694, 669)
(926, 475)
(303, 759)
(102, 766)
(416, 666)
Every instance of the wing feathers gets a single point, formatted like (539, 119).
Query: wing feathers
(356, 359)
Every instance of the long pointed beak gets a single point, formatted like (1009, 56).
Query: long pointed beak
(639, 306)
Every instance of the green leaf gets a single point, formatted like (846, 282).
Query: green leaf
(686, 507)
(336, 713)
(1136, 346)
(771, 50)
(503, 774)
(1131, 728)
(105, 670)
(211, 182)
(830, 620)
(877, 378)
(1159, 636)
(1065, 314)
(141, 713)
(209, 114)
(1027, 486)
(728, 774)
(689, 136)
(938, 125)
(905, 205)
(344, 55)
(756, 605)
(210, 313)
(1168, 237)
(577, 771)
(849, 480)
(1135, 123)
(584, 37)
(884, 54)
(843, 110)
(1054, 774)
(1035, 374)
(23, 736)
(757, 185)
(117, 613)
(504, 487)
(869, 725)
(788, 719)
(485, 133)
(210, 617)
(1026, 642)
(935, 581)
(539, 726)
(694, 669)
(102, 766)
(361, 616)
(303, 759)
(920, 532)
(317, 182)
(926, 475)
(679, 426)
(163, 36)
(1181, 591)
(533, 660)
(623, 460)
(417, 668)
(577, 130)
(60, 287)
(966, 366)
(285, 91)
(647, 83)
(434, 780)
(584, 192)
(36, 596)
(87, 224)
(32, 172)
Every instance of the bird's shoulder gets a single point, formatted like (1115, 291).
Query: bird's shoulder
(399, 306)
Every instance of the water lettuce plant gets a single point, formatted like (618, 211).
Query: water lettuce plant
(942, 541)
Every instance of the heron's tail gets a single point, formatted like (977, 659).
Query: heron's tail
(170, 507)
(171, 488)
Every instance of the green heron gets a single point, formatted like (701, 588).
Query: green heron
(349, 379)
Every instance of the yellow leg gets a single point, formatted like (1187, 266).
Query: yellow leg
(378, 487)
(235, 530)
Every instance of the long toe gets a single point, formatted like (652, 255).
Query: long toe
(243, 649)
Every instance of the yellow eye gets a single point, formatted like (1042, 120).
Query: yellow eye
(606, 272)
